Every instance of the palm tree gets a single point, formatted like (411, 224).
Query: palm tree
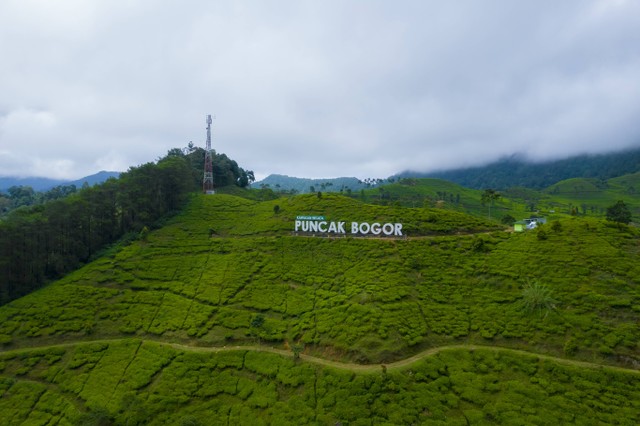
(490, 195)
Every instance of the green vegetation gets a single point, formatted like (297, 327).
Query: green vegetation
(619, 212)
(19, 196)
(490, 196)
(577, 197)
(292, 185)
(537, 297)
(177, 326)
(133, 382)
(206, 275)
(46, 241)
(514, 171)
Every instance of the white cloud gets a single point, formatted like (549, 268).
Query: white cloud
(315, 89)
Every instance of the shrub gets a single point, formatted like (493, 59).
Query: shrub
(571, 346)
(144, 234)
(98, 416)
(537, 297)
(508, 220)
(189, 420)
(542, 234)
(479, 245)
(257, 321)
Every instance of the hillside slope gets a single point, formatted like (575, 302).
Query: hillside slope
(515, 171)
(585, 197)
(126, 338)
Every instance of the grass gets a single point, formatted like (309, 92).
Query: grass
(360, 300)
(537, 297)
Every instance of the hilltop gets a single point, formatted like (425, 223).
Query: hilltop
(223, 316)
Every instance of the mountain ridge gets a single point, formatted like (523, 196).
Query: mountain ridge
(515, 170)
(44, 184)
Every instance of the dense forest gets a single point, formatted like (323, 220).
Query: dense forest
(513, 172)
(67, 227)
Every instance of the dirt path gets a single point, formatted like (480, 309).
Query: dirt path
(359, 368)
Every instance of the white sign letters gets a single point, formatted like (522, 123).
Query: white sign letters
(355, 228)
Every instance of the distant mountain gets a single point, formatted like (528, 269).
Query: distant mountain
(44, 184)
(94, 179)
(302, 185)
(37, 183)
(514, 171)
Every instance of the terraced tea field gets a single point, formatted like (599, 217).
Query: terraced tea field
(224, 317)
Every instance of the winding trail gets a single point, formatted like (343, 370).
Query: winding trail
(358, 368)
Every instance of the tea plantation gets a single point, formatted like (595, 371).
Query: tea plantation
(224, 316)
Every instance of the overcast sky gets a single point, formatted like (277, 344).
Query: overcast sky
(315, 89)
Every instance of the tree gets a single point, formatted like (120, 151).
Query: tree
(55, 232)
(490, 196)
(619, 212)
(508, 220)
(246, 178)
(22, 195)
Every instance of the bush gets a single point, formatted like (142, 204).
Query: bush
(542, 234)
(97, 417)
(479, 245)
(537, 297)
(571, 346)
(508, 220)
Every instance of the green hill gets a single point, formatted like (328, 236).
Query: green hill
(412, 192)
(593, 196)
(223, 316)
(585, 197)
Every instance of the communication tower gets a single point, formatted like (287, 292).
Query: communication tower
(207, 182)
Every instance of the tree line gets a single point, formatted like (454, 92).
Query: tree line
(43, 242)
(23, 195)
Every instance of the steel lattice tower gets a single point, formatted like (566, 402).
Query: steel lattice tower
(207, 182)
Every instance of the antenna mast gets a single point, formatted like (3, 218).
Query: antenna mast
(207, 182)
